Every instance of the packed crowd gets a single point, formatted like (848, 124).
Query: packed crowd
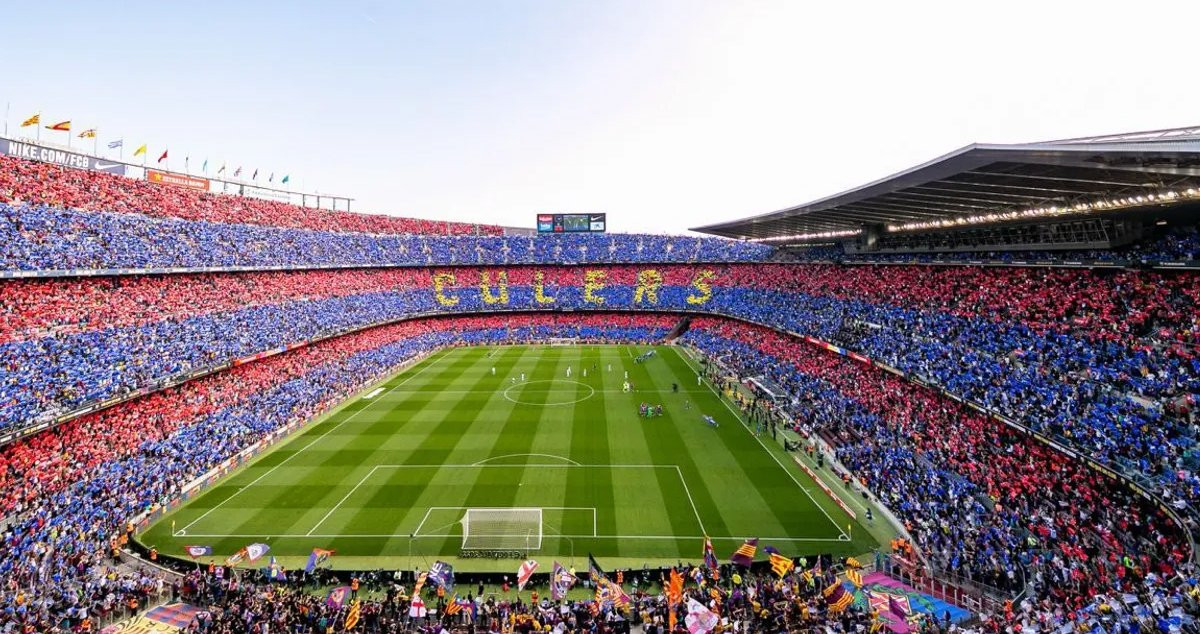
(41, 238)
(981, 500)
(1177, 244)
(1104, 360)
(743, 602)
(69, 491)
(41, 184)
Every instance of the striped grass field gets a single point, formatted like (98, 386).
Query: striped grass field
(385, 479)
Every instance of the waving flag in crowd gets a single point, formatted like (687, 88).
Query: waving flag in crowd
(779, 563)
(442, 574)
(317, 557)
(560, 581)
(198, 551)
(274, 571)
(744, 555)
(354, 614)
(700, 620)
(674, 596)
(524, 573)
(710, 557)
(337, 597)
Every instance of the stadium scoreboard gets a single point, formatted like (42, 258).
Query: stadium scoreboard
(572, 223)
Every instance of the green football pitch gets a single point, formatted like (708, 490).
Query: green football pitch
(386, 479)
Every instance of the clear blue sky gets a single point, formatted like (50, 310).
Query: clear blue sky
(665, 114)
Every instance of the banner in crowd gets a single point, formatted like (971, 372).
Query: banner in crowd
(178, 180)
(55, 156)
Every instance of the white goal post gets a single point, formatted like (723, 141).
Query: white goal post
(562, 341)
(502, 529)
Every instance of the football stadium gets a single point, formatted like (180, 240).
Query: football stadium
(961, 397)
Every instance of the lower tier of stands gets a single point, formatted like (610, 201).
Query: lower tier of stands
(981, 500)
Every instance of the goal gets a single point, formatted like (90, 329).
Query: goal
(502, 529)
(562, 341)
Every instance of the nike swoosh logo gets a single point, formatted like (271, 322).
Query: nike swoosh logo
(101, 165)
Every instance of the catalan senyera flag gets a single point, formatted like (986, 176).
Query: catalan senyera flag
(853, 563)
(855, 577)
(354, 614)
(34, 120)
(421, 578)
(90, 133)
(140, 150)
(61, 126)
(779, 563)
(453, 607)
(837, 597)
(744, 555)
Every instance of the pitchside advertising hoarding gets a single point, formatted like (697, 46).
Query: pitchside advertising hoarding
(572, 223)
(56, 156)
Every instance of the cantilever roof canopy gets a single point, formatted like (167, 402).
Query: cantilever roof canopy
(988, 179)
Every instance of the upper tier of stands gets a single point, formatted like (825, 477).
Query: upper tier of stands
(59, 219)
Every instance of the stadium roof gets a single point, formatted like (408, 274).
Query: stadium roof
(987, 183)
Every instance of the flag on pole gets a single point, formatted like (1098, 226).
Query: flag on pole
(285, 180)
(88, 134)
(61, 126)
(744, 555)
(272, 178)
(197, 551)
(560, 581)
(34, 120)
(255, 177)
(317, 557)
(112, 145)
(420, 583)
(337, 597)
(222, 170)
(524, 573)
(204, 168)
(163, 157)
(354, 614)
(140, 150)
(274, 572)
(674, 597)
(237, 172)
(710, 556)
(779, 563)
(855, 577)
(255, 551)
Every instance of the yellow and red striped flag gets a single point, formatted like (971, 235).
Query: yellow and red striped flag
(61, 126)
(88, 134)
(34, 120)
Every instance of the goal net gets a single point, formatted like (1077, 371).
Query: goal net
(502, 529)
(562, 341)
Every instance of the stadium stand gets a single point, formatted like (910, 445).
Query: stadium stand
(1102, 362)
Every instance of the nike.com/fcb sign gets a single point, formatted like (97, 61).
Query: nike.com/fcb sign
(59, 157)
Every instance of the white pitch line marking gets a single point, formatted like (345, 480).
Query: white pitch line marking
(344, 498)
(305, 448)
(689, 496)
(518, 455)
(738, 416)
(376, 536)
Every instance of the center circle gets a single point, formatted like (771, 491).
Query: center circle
(591, 392)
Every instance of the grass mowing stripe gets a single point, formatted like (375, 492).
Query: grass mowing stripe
(422, 441)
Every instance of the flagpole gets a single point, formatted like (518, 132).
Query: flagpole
(7, 106)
